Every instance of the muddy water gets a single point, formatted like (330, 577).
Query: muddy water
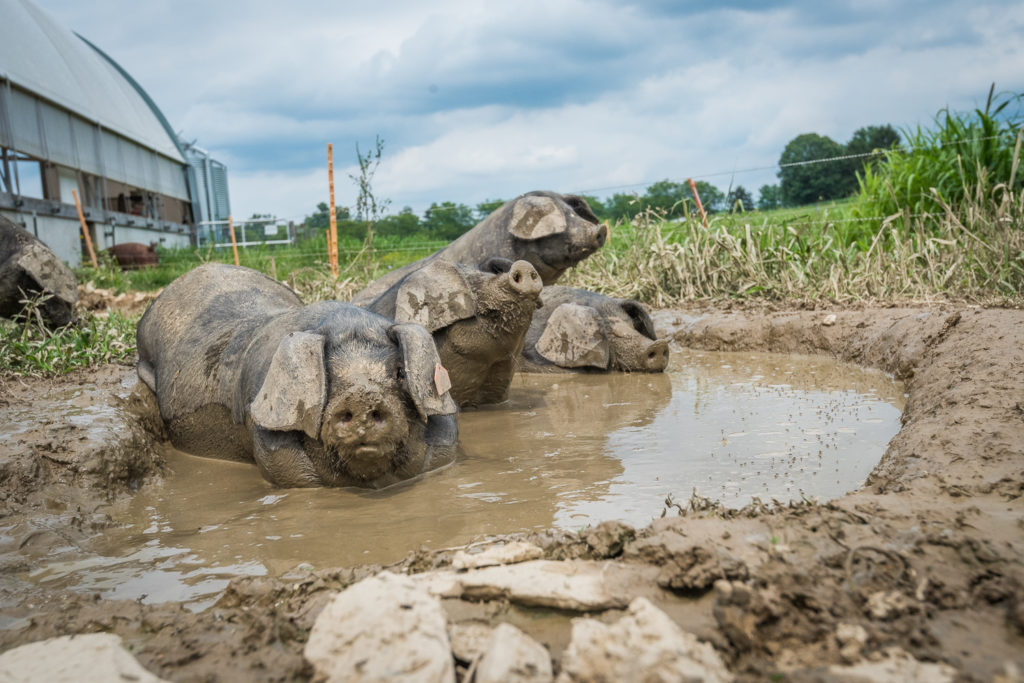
(565, 451)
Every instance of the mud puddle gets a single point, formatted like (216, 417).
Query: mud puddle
(566, 451)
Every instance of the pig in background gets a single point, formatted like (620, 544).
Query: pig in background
(28, 268)
(552, 232)
(580, 330)
(478, 315)
(325, 394)
(133, 255)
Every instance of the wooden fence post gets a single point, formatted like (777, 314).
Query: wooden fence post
(85, 230)
(234, 244)
(700, 207)
(332, 236)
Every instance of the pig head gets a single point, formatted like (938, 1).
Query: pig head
(478, 315)
(579, 330)
(28, 268)
(552, 232)
(322, 395)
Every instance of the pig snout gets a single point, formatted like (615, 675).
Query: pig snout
(524, 279)
(365, 427)
(655, 356)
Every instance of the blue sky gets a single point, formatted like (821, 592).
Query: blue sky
(480, 101)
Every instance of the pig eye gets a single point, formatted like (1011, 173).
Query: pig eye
(400, 374)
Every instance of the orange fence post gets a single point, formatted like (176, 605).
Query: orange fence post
(234, 245)
(85, 230)
(700, 207)
(332, 236)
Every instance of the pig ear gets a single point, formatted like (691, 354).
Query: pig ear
(536, 217)
(580, 206)
(435, 296)
(642, 322)
(574, 338)
(425, 377)
(294, 392)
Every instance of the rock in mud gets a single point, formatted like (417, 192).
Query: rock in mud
(608, 539)
(896, 667)
(509, 553)
(469, 641)
(382, 628)
(515, 657)
(70, 659)
(686, 565)
(576, 585)
(644, 645)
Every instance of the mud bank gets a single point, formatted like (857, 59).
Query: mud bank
(925, 559)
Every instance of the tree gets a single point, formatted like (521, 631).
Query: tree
(865, 141)
(369, 207)
(404, 224)
(806, 183)
(622, 207)
(485, 209)
(739, 200)
(448, 220)
(667, 197)
(769, 197)
(321, 218)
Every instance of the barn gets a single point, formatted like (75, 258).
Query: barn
(72, 119)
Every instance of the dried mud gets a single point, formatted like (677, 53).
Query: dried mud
(925, 557)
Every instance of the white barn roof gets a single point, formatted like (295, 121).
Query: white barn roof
(41, 56)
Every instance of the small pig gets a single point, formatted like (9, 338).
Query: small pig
(552, 232)
(28, 268)
(132, 255)
(327, 394)
(478, 315)
(577, 329)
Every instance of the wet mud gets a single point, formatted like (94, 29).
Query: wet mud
(924, 557)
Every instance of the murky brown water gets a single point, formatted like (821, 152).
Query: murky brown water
(565, 451)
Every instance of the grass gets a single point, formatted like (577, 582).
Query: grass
(27, 347)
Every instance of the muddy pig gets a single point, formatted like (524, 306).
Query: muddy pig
(132, 255)
(552, 232)
(478, 315)
(28, 268)
(326, 394)
(577, 329)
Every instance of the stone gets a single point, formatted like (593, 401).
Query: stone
(515, 657)
(829, 320)
(608, 539)
(509, 553)
(469, 641)
(644, 645)
(578, 585)
(384, 627)
(895, 667)
(851, 639)
(67, 659)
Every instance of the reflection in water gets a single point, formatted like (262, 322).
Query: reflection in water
(566, 450)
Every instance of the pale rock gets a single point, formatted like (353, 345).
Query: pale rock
(644, 645)
(887, 604)
(383, 628)
(510, 553)
(469, 641)
(99, 656)
(578, 585)
(896, 667)
(851, 639)
(829, 320)
(515, 657)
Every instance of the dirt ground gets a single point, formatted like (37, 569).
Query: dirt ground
(927, 556)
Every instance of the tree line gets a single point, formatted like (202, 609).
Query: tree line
(798, 184)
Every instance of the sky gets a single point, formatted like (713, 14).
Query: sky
(486, 100)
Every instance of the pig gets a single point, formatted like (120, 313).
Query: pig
(28, 268)
(576, 329)
(552, 232)
(327, 394)
(478, 315)
(132, 255)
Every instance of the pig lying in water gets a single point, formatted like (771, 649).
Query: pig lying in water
(327, 394)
